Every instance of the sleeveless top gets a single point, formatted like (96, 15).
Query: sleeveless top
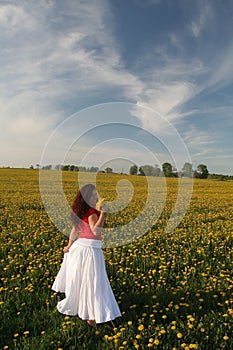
(84, 227)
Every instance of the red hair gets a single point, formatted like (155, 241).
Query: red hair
(81, 205)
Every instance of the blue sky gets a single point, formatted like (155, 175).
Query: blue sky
(174, 57)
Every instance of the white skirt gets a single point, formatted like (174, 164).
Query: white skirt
(83, 279)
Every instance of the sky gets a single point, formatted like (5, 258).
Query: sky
(100, 81)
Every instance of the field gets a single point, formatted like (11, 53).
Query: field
(175, 289)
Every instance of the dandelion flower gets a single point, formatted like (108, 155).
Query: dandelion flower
(141, 327)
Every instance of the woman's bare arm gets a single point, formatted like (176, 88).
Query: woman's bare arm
(97, 224)
(72, 238)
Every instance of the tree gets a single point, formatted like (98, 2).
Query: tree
(72, 167)
(133, 170)
(58, 167)
(94, 169)
(146, 170)
(157, 170)
(167, 169)
(187, 170)
(47, 167)
(202, 171)
(141, 172)
(149, 170)
(108, 170)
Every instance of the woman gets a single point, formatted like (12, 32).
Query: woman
(82, 276)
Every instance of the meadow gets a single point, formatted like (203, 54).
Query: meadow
(174, 289)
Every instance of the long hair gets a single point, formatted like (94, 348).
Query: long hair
(81, 205)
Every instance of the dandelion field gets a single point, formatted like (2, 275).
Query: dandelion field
(175, 289)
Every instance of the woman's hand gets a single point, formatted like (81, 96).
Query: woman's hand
(66, 249)
(104, 207)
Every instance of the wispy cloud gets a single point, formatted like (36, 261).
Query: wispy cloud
(201, 20)
(167, 99)
(196, 138)
(51, 56)
(83, 57)
(222, 72)
(60, 61)
(200, 143)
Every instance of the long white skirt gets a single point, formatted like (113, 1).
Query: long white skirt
(83, 279)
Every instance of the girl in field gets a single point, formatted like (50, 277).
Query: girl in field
(82, 276)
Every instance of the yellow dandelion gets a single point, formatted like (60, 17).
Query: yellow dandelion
(141, 327)
(179, 335)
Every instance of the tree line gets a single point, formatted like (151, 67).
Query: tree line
(167, 170)
(72, 167)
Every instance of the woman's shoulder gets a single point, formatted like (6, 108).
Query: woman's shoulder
(92, 211)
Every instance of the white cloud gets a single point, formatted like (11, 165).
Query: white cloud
(201, 144)
(169, 98)
(171, 86)
(47, 63)
(66, 63)
(222, 71)
(199, 23)
(13, 18)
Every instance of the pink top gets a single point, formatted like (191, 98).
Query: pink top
(84, 227)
